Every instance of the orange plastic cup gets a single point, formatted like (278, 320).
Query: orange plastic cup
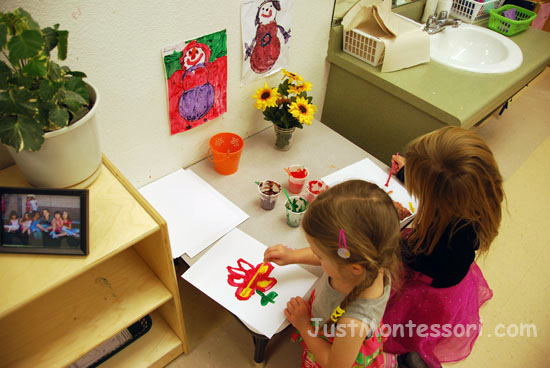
(225, 152)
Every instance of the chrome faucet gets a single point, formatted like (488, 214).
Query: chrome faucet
(435, 25)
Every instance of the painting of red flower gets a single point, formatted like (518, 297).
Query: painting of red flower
(248, 278)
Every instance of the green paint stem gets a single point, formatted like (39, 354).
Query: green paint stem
(269, 298)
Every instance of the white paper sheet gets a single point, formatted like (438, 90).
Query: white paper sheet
(266, 35)
(197, 215)
(367, 170)
(210, 275)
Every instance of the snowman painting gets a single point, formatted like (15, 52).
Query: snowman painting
(265, 48)
(196, 73)
(198, 95)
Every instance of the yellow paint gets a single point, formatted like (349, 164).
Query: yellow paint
(247, 290)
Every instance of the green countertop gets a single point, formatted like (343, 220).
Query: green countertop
(453, 96)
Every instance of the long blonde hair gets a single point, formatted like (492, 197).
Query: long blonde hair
(454, 175)
(371, 226)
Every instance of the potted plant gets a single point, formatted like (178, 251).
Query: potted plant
(47, 111)
(288, 106)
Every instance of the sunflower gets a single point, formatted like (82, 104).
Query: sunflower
(302, 110)
(299, 88)
(291, 76)
(266, 97)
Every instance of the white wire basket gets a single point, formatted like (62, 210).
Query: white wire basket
(364, 46)
(471, 11)
(367, 47)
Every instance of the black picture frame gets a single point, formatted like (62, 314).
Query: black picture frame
(45, 234)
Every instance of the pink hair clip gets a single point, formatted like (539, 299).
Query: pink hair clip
(343, 252)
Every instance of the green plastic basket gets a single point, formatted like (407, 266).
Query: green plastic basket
(508, 27)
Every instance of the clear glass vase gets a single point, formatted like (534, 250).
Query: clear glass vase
(283, 137)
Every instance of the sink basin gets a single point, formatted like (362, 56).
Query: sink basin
(475, 49)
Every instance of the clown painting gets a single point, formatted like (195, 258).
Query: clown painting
(266, 35)
(196, 71)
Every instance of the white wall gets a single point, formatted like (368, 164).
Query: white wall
(117, 44)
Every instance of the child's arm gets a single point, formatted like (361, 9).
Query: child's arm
(282, 255)
(349, 335)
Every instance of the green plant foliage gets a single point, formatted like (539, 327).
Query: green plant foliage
(36, 94)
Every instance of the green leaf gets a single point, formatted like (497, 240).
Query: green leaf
(21, 81)
(3, 35)
(25, 101)
(37, 66)
(62, 40)
(77, 74)
(25, 45)
(46, 90)
(77, 85)
(73, 100)
(5, 74)
(55, 72)
(58, 116)
(21, 133)
(79, 114)
(50, 38)
(26, 19)
(6, 104)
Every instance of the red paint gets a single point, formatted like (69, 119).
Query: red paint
(299, 174)
(316, 184)
(267, 48)
(247, 276)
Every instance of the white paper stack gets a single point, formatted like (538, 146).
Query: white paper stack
(367, 170)
(210, 275)
(197, 215)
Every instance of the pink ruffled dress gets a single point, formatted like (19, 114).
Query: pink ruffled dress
(451, 317)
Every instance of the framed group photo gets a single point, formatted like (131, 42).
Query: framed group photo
(48, 221)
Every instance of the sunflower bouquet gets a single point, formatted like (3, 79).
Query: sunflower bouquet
(287, 106)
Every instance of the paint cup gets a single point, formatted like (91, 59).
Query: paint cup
(225, 149)
(314, 188)
(269, 191)
(297, 175)
(294, 217)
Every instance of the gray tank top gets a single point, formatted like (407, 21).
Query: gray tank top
(369, 311)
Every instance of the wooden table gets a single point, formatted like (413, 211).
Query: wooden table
(318, 147)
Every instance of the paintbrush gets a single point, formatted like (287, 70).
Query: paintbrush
(289, 201)
(393, 166)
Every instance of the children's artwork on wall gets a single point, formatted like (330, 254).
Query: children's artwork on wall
(265, 28)
(196, 73)
(233, 273)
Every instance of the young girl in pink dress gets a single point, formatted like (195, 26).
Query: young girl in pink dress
(353, 233)
(57, 226)
(14, 224)
(68, 225)
(454, 176)
(26, 222)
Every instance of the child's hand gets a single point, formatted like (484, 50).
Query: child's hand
(399, 161)
(297, 312)
(278, 254)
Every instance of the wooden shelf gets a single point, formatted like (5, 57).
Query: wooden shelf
(73, 319)
(117, 221)
(157, 347)
(54, 309)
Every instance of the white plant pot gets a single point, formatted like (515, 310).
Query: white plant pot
(69, 157)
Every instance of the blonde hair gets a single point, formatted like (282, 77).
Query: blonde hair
(454, 176)
(371, 226)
